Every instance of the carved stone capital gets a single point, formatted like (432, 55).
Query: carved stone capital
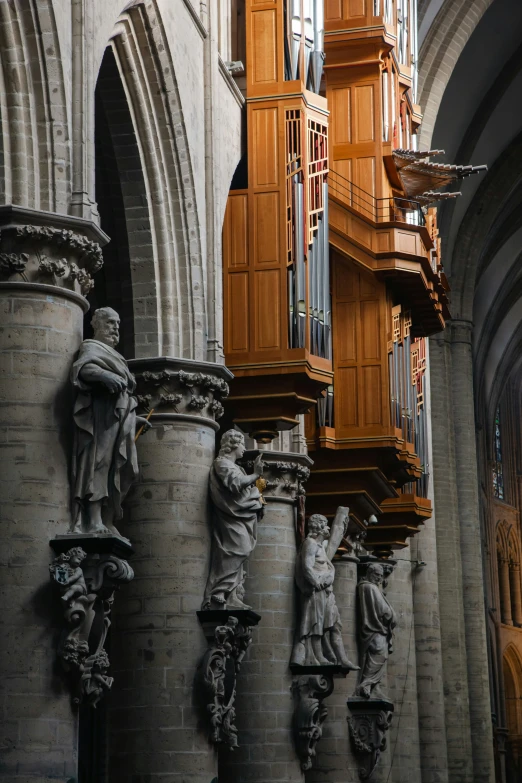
(87, 575)
(50, 249)
(368, 723)
(229, 634)
(181, 387)
(285, 474)
(309, 714)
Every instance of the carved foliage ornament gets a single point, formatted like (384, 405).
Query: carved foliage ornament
(368, 734)
(87, 585)
(180, 390)
(219, 668)
(36, 266)
(309, 714)
(279, 482)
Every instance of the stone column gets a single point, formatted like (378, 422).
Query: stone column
(264, 705)
(158, 726)
(471, 536)
(335, 761)
(45, 265)
(449, 565)
(403, 737)
(428, 644)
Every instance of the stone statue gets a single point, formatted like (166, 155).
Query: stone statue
(104, 455)
(237, 506)
(319, 641)
(377, 620)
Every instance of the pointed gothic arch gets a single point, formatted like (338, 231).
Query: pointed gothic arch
(170, 282)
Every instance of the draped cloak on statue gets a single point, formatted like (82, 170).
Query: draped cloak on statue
(104, 455)
(319, 612)
(235, 514)
(377, 622)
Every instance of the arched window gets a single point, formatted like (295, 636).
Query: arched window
(509, 578)
(498, 475)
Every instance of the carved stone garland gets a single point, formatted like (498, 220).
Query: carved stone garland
(229, 634)
(368, 725)
(87, 583)
(179, 391)
(309, 714)
(55, 256)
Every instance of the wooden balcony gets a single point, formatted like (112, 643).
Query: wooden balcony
(390, 238)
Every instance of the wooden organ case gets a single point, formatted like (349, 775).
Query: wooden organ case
(275, 242)
(336, 176)
(368, 435)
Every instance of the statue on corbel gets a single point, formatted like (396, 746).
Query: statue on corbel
(371, 710)
(318, 651)
(227, 621)
(104, 467)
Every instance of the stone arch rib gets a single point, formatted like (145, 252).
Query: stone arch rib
(35, 151)
(147, 74)
(442, 47)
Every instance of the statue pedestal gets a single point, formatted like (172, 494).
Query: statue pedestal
(87, 603)
(229, 634)
(311, 685)
(369, 721)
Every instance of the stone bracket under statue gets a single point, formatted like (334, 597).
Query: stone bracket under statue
(368, 724)
(87, 572)
(318, 652)
(229, 635)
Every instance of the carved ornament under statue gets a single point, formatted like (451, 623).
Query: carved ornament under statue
(87, 583)
(104, 464)
(318, 639)
(236, 508)
(229, 639)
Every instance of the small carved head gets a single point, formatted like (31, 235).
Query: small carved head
(106, 326)
(318, 525)
(375, 573)
(76, 556)
(232, 441)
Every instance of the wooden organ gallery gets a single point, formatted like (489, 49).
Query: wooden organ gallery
(333, 276)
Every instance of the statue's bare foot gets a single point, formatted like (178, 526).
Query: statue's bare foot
(219, 598)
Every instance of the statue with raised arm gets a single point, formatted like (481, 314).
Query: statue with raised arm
(104, 462)
(377, 621)
(318, 640)
(236, 507)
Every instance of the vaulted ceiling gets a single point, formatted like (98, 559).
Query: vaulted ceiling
(470, 87)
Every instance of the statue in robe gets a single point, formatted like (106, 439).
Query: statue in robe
(318, 639)
(104, 464)
(236, 507)
(377, 621)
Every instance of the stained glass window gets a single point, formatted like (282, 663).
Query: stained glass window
(498, 476)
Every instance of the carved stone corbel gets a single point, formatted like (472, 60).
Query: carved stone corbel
(229, 634)
(87, 580)
(368, 724)
(309, 714)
